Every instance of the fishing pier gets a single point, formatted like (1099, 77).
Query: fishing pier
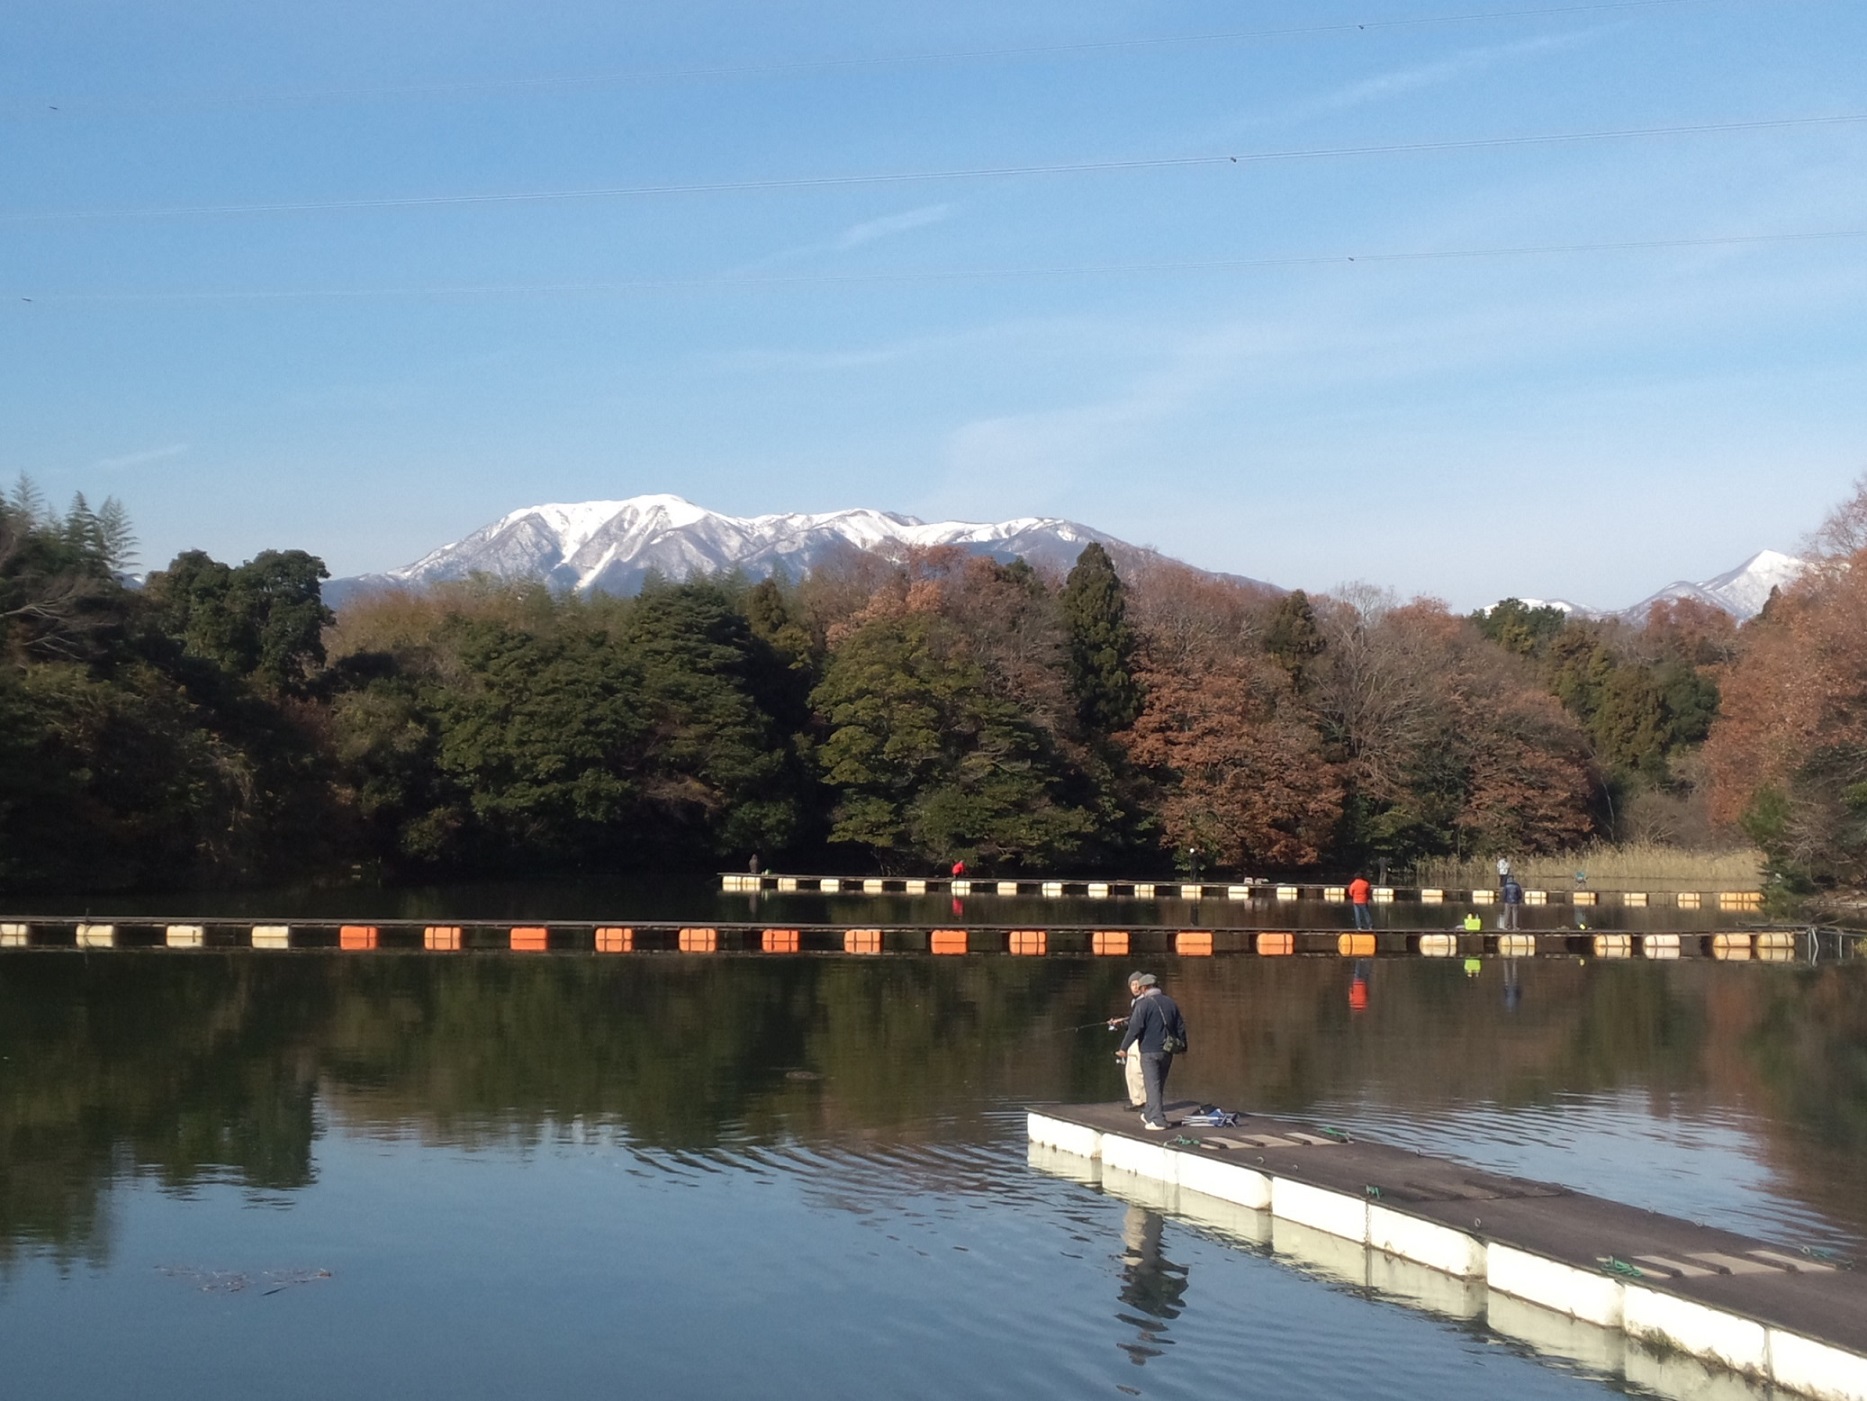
(1671, 1305)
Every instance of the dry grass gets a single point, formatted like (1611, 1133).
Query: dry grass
(1632, 866)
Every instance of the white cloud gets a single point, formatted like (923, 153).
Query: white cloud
(890, 224)
(853, 237)
(140, 459)
(1403, 81)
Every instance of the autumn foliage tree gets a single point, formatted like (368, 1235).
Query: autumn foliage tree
(1788, 753)
(1239, 772)
(1447, 742)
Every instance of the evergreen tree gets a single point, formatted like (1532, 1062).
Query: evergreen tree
(723, 767)
(1517, 627)
(263, 620)
(1293, 640)
(1101, 643)
(929, 764)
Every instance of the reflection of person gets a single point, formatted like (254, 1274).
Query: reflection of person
(1156, 1030)
(1360, 893)
(1151, 1284)
(1358, 985)
(1513, 902)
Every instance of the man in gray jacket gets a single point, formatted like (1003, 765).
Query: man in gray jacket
(1156, 1032)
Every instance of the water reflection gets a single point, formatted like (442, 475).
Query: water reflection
(1741, 1090)
(1153, 1288)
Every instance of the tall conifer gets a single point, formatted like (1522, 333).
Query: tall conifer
(1101, 643)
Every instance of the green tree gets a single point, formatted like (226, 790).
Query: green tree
(928, 764)
(1101, 643)
(540, 736)
(1519, 627)
(722, 766)
(263, 620)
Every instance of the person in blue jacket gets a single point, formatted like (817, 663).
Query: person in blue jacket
(1513, 901)
(1156, 1033)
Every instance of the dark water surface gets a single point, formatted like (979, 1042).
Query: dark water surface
(496, 1176)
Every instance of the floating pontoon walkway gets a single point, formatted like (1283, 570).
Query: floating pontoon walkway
(1051, 889)
(63, 932)
(1533, 1259)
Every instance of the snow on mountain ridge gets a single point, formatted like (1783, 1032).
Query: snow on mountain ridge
(1741, 592)
(612, 546)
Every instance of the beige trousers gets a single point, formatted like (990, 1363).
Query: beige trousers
(1131, 1068)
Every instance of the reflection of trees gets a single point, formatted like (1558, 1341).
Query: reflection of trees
(181, 1073)
(1152, 1285)
(209, 1068)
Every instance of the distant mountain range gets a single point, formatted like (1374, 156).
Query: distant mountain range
(1741, 592)
(612, 546)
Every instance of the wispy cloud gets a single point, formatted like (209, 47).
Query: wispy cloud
(890, 224)
(853, 237)
(1401, 82)
(140, 459)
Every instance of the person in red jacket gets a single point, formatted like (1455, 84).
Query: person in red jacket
(1360, 894)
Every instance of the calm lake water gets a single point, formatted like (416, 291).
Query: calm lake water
(499, 1176)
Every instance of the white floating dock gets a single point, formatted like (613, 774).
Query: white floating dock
(1672, 1305)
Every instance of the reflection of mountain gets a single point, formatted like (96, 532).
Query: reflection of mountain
(212, 1068)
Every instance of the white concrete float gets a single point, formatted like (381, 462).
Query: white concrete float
(184, 936)
(1658, 1340)
(272, 936)
(15, 936)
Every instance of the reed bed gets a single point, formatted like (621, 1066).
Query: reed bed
(1632, 866)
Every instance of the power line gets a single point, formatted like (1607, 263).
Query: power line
(781, 67)
(1000, 172)
(952, 275)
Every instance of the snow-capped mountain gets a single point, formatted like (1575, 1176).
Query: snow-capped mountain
(611, 546)
(1741, 592)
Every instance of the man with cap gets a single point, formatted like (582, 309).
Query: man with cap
(1156, 1031)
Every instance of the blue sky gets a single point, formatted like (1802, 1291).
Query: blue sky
(1144, 349)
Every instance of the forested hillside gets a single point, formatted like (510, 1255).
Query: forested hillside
(220, 725)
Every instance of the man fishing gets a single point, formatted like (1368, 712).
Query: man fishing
(1156, 1033)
